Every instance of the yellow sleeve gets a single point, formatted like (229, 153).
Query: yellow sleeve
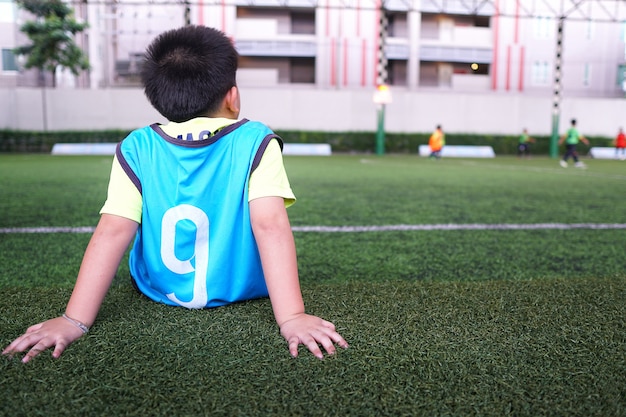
(123, 197)
(269, 179)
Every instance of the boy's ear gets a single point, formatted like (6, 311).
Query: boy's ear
(231, 101)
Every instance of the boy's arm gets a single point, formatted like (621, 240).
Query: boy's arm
(100, 262)
(274, 238)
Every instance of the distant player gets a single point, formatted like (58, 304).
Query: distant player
(571, 139)
(620, 145)
(436, 143)
(523, 147)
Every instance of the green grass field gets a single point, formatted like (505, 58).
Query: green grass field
(478, 288)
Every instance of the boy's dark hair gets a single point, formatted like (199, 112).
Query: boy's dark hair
(188, 71)
(573, 122)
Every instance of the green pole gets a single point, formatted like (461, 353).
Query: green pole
(554, 140)
(380, 134)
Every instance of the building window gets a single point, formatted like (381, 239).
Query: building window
(623, 37)
(264, 70)
(587, 75)
(590, 29)
(8, 60)
(303, 23)
(397, 72)
(281, 21)
(621, 77)
(543, 27)
(429, 28)
(302, 70)
(397, 25)
(482, 21)
(540, 74)
(7, 11)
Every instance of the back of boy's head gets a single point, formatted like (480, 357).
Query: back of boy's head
(188, 71)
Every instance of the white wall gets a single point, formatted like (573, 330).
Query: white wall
(321, 110)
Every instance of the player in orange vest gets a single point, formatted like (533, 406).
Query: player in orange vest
(436, 142)
(620, 144)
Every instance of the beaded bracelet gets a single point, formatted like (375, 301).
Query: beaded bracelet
(76, 323)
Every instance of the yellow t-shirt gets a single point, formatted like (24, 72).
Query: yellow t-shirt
(269, 179)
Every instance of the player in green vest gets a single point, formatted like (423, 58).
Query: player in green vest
(523, 148)
(571, 139)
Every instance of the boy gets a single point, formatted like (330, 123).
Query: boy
(523, 148)
(205, 198)
(571, 139)
(436, 143)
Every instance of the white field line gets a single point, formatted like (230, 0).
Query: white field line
(429, 227)
(573, 171)
(8, 230)
(383, 228)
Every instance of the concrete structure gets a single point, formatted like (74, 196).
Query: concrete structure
(473, 66)
(318, 110)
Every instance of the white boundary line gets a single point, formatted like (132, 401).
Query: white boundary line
(9, 230)
(384, 228)
(429, 227)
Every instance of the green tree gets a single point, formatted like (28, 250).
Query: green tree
(52, 35)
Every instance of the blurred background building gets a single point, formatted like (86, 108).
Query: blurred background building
(458, 45)
(475, 47)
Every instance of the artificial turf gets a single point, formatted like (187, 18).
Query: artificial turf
(440, 322)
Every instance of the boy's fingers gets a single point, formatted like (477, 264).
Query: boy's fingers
(339, 340)
(36, 344)
(313, 343)
(20, 344)
(328, 345)
(8, 350)
(293, 346)
(314, 348)
(310, 343)
(58, 349)
(34, 351)
(329, 325)
(33, 328)
(319, 334)
(332, 339)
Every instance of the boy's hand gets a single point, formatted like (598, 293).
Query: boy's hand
(58, 333)
(311, 331)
